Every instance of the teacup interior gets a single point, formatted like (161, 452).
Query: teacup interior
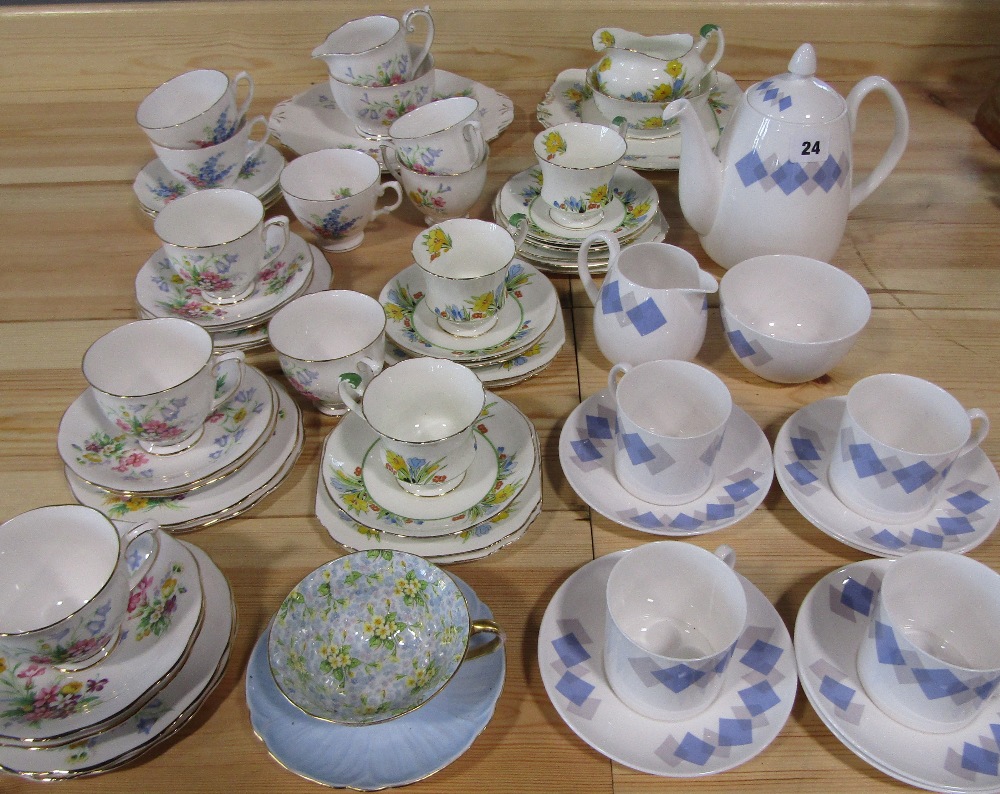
(673, 401)
(329, 174)
(326, 325)
(181, 99)
(209, 218)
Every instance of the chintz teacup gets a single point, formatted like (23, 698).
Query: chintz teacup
(194, 109)
(439, 197)
(329, 337)
(333, 192)
(424, 411)
(930, 658)
(464, 262)
(675, 613)
(441, 137)
(65, 585)
(373, 50)
(898, 439)
(578, 161)
(159, 381)
(219, 164)
(399, 633)
(671, 418)
(219, 241)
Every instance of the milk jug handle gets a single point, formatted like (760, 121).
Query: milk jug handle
(900, 135)
(583, 261)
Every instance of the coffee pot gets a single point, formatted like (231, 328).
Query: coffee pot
(782, 181)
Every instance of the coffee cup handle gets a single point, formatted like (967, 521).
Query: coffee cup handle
(254, 148)
(130, 537)
(389, 207)
(222, 358)
(485, 626)
(583, 261)
(245, 106)
(390, 159)
(367, 368)
(615, 375)
(726, 554)
(472, 134)
(424, 12)
(349, 396)
(981, 427)
(279, 222)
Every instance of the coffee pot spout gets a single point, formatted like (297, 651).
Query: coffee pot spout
(700, 174)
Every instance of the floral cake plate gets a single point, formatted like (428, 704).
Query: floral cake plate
(311, 120)
(570, 99)
(745, 718)
(162, 716)
(101, 454)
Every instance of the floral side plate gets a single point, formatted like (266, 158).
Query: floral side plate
(162, 716)
(155, 186)
(41, 705)
(311, 120)
(162, 291)
(101, 454)
(569, 99)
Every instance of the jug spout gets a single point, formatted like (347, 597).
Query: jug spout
(700, 175)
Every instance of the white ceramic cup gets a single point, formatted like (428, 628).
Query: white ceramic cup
(334, 192)
(195, 109)
(441, 137)
(439, 197)
(671, 418)
(425, 411)
(464, 262)
(219, 241)
(220, 164)
(159, 381)
(65, 585)
(675, 613)
(578, 161)
(898, 439)
(328, 337)
(373, 51)
(930, 658)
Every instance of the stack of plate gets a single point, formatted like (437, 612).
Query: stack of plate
(246, 451)
(163, 291)
(363, 508)
(173, 650)
(633, 216)
(527, 336)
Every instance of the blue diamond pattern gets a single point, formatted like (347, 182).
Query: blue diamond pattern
(840, 695)
(574, 688)
(740, 490)
(857, 596)
(800, 473)
(646, 317)
(679, 677)
(968, 502)
(637, 451)
(986, 689)
(695, 750)
(790, 177)
(570, 650)
(805, 449)
(926, 540)
(611, 301)
(750, 168)
(955, 525)
(784, 103)
(599, 427)
(714, 512)
(740, 344)
(684, 521)
(648, 520)
(828, 174)
(733, 733)
(759, 698)
(916, 476)
(771, 94)
(885, 645)
(585, 450)
(938, 683)
(979, 759)
(866, 462)
(762, 657)
(888, 540)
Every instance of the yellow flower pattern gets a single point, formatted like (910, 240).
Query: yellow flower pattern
(437, 242)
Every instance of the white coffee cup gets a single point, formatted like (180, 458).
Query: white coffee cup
(930, 657)
(425, 411)
(159, 381)
(898, 439)
(441, 137)
(218, 241)
(671, 419)
(675, 613)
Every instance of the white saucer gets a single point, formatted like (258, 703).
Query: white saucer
(311, 120)
(527, 288)
(570, 99)
(540, 217)
(100, 454)
(162, 716)
(743, 474)
(155, 186)
(161, 292)
(828, 630)
(393, 753)
(505, 458)
(745, 718)
(209, 505)
(965, 515)
(509, 320)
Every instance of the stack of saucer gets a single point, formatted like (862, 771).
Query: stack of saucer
(173, 649)
(633, 216)
(527, 336)
(363, 508)
(161, 291)
(245, 452)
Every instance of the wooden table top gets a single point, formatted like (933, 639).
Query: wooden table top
(925, 246)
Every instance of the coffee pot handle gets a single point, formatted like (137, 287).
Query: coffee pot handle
(900, 135)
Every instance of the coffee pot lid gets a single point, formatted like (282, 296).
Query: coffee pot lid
(797, 96)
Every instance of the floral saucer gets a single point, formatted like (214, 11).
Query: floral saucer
(213, 503)
(162, 716)
(41, 705)
(102, 455)
(394, 753)
(527, 289)
(965, 515)
(505, 457)
(743, 474)
(311, 120)
(163, 292)
(155, 186)
(745, 718)
(828, 630)
(569, 99)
